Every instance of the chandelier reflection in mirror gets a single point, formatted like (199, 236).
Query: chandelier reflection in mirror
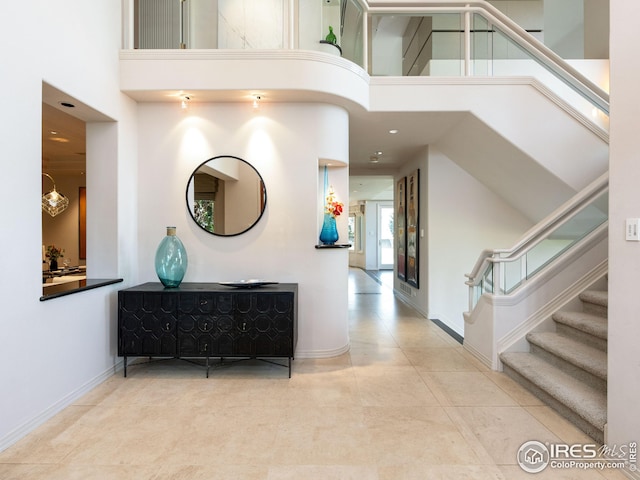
(54, 202)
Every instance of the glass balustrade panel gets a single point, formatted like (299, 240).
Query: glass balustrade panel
(417, 45)
(210, 24)
(567, 235)
(508, 59)
(513, 273)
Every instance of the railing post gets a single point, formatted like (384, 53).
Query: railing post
(498, 273)
(472, 297)
(467, 43)
(183, 44)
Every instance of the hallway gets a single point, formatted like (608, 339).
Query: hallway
(406, 402)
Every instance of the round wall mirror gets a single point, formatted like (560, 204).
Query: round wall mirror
(226, 196)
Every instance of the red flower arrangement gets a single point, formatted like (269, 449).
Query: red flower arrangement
(333, 207)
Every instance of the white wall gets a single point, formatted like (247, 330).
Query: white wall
(284, 142)
(460, 217)
(53, 351)
(464, 218)
(624, 257)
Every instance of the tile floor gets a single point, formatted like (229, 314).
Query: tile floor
(406, 403)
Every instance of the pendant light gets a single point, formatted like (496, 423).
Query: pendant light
(54, 202)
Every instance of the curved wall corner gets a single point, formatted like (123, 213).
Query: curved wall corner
(284, 142)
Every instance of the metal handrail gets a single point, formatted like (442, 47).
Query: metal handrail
(540, 52)
(540, 232)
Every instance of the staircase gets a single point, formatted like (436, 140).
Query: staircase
(567, 369)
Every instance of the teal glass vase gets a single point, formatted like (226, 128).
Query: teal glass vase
(329, 232)
(171, 260)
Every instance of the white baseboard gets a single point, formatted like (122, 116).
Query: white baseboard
(323, 353)
(482, 358)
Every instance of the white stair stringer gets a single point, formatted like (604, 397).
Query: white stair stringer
(567, 368)
(509, 138)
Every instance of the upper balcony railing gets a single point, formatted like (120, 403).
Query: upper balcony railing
(434, 38)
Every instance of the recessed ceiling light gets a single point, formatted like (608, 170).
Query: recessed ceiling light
(53, 132)
(393, 132)
(379, 152)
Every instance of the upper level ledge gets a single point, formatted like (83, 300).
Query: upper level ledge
(231, 75)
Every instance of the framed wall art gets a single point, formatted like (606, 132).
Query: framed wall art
(413, 227)
(401, 230)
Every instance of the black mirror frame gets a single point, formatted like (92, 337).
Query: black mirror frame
(264, 193)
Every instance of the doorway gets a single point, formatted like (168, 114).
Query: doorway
(385, 218)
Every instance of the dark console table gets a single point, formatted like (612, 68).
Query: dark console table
(204, 320)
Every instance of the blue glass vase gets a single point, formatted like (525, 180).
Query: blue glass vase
(171, 259)
(329, 232)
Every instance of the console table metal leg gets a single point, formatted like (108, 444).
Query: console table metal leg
(289, 367)
(207, 367)
(125, 366)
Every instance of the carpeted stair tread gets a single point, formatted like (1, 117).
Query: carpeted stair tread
(577, 353)
(597, 297)
(587, 402)
(586, 322)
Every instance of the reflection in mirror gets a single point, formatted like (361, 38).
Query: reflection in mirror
(226, 196)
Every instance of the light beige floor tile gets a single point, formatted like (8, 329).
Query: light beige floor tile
(439, 360)
(212, 472)
(408, 340)
(225, 435)
(323, 436)
(136, 434)
(416, 435)
(399, 386)
(516, 473)
(441, 472)
(470, 437)
(78, 472)
(323, 472)
(49, 443)
(378, 355)
(467, 388)
(502, 430)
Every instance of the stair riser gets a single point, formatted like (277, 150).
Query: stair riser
(562, 409)
(573, 370)
(584, 337)
(595, 309)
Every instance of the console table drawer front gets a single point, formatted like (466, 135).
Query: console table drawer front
(197, 302)
(197, 324)
(197, 345)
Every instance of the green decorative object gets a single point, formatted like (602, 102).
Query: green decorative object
(171, 259)
(331, 37)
